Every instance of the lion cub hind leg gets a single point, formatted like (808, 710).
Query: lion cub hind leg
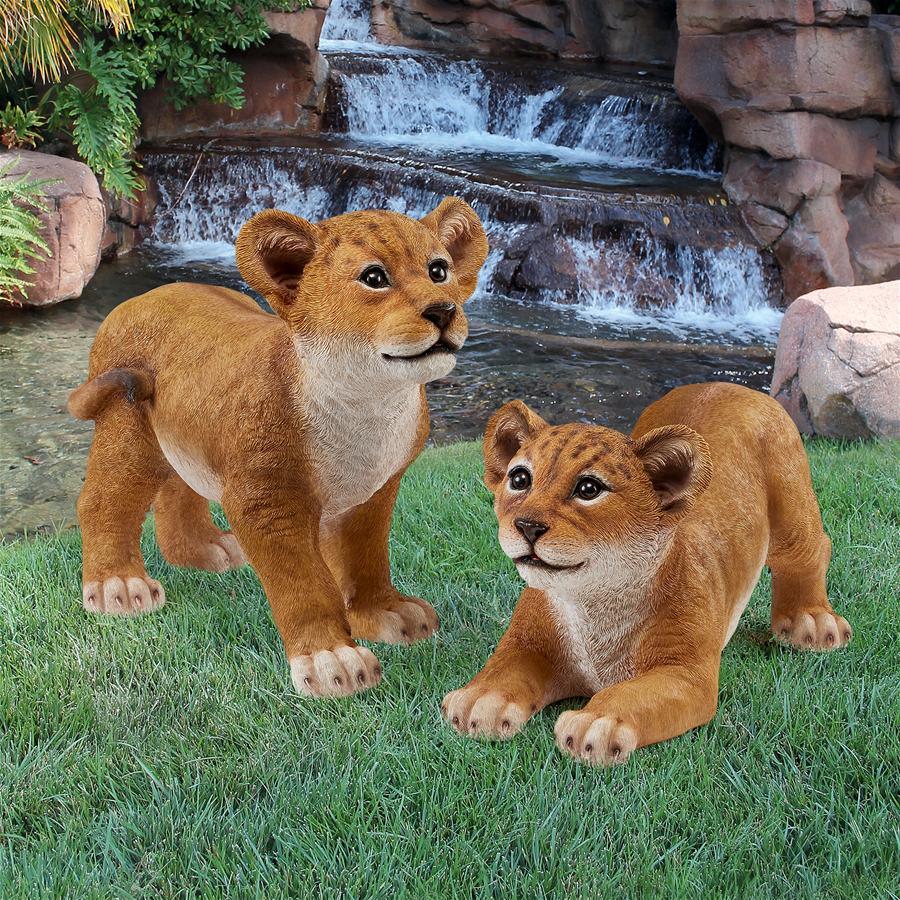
(799, 553)
(125, 468)
(186, 533)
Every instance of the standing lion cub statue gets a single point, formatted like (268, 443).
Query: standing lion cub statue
(301, 424)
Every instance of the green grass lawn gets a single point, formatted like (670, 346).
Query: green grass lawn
(168, 755)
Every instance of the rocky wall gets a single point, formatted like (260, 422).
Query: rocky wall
(805, 94)
(617, 31)
(284, 88)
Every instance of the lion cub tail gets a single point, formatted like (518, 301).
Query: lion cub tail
(88, 400)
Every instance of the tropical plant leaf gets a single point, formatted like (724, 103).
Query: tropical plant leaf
(22, 199)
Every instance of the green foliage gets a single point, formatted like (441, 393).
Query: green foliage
(40, 36)
(98, 110)
(20, 239)
(187, 42)
(20, 128)
(889, 7)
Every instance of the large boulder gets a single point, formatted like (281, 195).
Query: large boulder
(874, 236)
(718, 17)
(837, 367)
(837, 71)
(804, 95)
(888, 27)
(73, 225)
(813, 250)
(847, 145)
(284, 88)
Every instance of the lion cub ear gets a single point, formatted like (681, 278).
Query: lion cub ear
(459, 229)
(507, 430)
(677, 460)
(272, 250)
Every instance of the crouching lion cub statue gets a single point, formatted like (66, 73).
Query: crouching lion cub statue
(640, 555)
(300, 424)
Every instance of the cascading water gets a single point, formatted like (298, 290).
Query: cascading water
(347, 21)
(598, 192)
(441, 105)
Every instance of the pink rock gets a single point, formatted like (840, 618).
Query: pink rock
(718, 17)
(615, 30)
(73, 225)
(832, 12)
(874, 235)
(766, 224)
(813, 251)
(837, 366)
(776, 183)
(849, 146)
(284, 88)
(888, 28)
(824, 70)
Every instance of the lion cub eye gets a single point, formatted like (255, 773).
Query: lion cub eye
(519, 479)
(437, 271)
(374, 277)
(589, 488)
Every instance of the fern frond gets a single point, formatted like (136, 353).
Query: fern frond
(21, 200)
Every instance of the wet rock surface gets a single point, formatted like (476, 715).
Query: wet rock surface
(668, 246)
(616, 31)
(73, 225)
(284, 88)
(837, 367)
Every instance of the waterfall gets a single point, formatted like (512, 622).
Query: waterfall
(347, 20)
(603, 271)
(600, 193)
(434, 103)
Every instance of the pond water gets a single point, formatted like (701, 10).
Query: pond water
(564, 367)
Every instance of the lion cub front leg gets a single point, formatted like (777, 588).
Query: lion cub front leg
(278, 529)
(658, 705)
(521, 677)
(356, 547)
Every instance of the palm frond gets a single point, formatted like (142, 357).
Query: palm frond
(39, 37)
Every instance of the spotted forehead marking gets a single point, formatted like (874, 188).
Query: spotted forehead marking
(569, 447)
(393, 239)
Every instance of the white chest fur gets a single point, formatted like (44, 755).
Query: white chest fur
(599, 616)
(358, 442)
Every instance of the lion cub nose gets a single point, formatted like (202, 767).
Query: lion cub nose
(531, 531)
(441, 314)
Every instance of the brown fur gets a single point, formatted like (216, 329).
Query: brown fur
(302, 424)
(713, 483)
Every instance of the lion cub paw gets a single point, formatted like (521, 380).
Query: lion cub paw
(482, 713)
(597, 740)
(220, 553)
(224, 553)
(816, 628)
(123, 596)
(338, 672)
(402, 620)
